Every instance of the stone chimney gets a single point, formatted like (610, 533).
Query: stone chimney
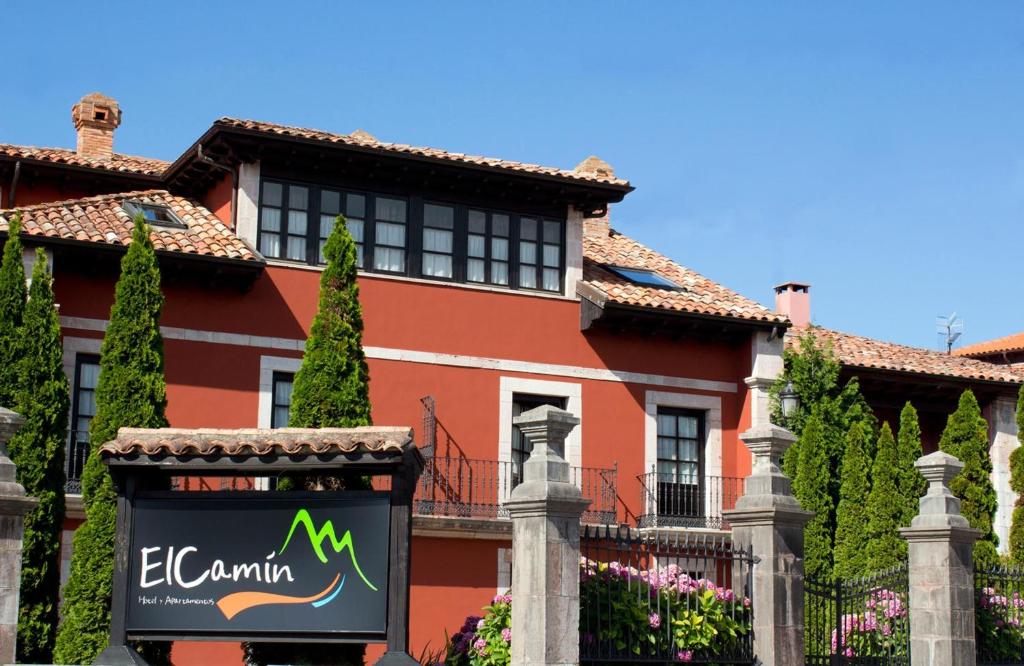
(793, 299)
(96, 117)
(595, 166)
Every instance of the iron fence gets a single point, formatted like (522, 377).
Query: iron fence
(467, 488)
(999, 616)
(666, 501)
(658, 598)
(862, 621)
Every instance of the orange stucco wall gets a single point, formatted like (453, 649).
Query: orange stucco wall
(216, 385)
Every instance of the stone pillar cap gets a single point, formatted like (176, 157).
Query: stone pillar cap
(9, 423)
(768, 438)
(939, 467)
(546, 414)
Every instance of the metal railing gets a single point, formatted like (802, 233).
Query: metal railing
(999, 615)
(665, 502)
(858, 622)
(664, 598)
(75, 455)
(462, 487)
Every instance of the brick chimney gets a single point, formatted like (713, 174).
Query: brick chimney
(96, 117)
(595, 166)
(793, 299)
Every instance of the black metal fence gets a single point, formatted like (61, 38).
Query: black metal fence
(999, 616)
(655, 598)
(863, 621)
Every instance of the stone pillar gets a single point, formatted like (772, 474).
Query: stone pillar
(768, 520)
(765, 366)
(941, 571)
(13, 507)
(545, 510)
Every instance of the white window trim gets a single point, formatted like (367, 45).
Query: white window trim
(247, 216)
(268, 366)
(712, 408)
(504, 579)
(509, 386)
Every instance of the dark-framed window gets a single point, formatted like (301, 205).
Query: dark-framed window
(83, 409)
(409, 236)
(680, 468)
(281, 399)
(521, 447)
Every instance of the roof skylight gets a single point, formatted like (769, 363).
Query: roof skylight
(154, 214)
(645, 277)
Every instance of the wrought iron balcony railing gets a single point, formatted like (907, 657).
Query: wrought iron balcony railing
(668, 500)
(462, 487)
(75, 455)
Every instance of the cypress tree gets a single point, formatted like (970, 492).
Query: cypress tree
(811, 490)
(131, 392)
(851, 514)
(332, 385)
(42, 398)
(910, 485)
(331, 390)
(12, 311)
(966, 437)
(1017, 485)
(885, 548)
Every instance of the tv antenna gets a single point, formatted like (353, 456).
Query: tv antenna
(950, 329)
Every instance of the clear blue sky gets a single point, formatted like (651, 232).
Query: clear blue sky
(875, 150)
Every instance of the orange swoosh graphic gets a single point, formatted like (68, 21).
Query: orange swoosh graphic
(235, 603)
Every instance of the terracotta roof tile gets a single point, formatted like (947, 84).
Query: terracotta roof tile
(101, 219)
(699, 295)
(362, 139)
(1009, 343)
(860, 352)
(116, 162)
(258, 442)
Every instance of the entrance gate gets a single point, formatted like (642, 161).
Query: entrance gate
(858, 622)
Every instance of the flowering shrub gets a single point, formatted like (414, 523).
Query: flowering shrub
(878, 631)
(998, 624)
(484, 641)
(655, 612)
(659, 611)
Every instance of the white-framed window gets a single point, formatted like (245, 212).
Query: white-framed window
(509, 389)
(276, 374)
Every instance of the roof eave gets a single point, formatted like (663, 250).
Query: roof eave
(617, 191)
(255, 265)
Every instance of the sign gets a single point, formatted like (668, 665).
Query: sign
(259, 567)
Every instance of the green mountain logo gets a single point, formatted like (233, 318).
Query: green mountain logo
(317, 538)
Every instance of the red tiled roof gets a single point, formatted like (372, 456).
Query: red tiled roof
(860, 352)
(1009, 343)
(101, 219)
(699, 295)
(362, 139)
(257, 442)
(119, 163)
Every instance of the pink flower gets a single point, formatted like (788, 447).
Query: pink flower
(480, 646)
(506, 635)
(685, 655)
(481, 624)
(848, 652)
(654, 620)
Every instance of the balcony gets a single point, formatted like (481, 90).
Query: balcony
(464, 488)
(665, 501)
(75, 455)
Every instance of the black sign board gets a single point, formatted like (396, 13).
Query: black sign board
(212, 564)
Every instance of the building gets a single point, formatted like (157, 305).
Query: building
(1008, 350)
(890, 375)
(488, 287)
